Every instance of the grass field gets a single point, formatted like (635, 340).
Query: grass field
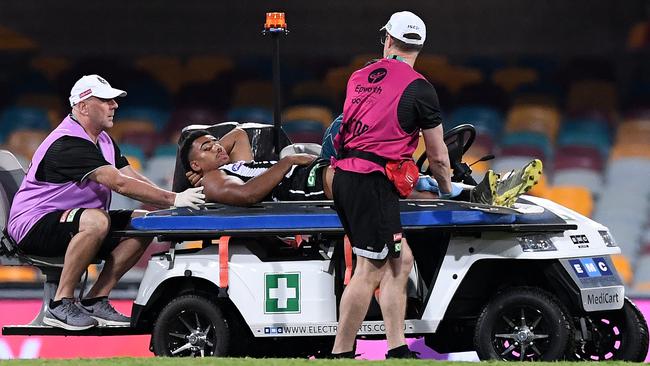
(255, 362)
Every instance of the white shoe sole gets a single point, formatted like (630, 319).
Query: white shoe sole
(59, 324)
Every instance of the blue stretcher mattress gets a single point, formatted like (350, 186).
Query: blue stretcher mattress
(320, 215)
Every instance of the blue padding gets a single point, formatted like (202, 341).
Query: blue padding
(310, 221)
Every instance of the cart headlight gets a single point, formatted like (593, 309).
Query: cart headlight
(536, 243)
(607, 238)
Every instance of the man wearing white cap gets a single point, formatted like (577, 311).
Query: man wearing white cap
(387, 105)
(61, 208)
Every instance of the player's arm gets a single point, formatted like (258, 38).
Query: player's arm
(222, 188)
(237, 145)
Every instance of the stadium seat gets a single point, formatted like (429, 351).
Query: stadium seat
(164, 150)
(253, 93)
(31, 82)
(589, 126)
(22, 117)
(186, 116)
(50, 102)
(633, 130)
(591, 179)
(585, 140)
(512, 77)
(206, 68)
(592, 94)
(639, 137)
(308, 112)
(305, 137)
(305, 125)
(50, 66)
(358, 61)
(486, 64)
(577, 198)
(158, 117)
(123, 125)
(484, 142)
(543, 93)
(25, 142)
(147, 141)
(486, 119)
(250, 114)
(484, 93)
(18, 274)
(522, 151)
(144, 91)
(536, 118)
(637, 150)
(540, 189)
(336, 80)
(134, 154)
(642, 271)
(160, 169)
(582, 157)
(624, 268)
(454, 78)
(313, 92)
(528, 139)
(166, 69)
(11, 40)
(638, 36)
(427, 63)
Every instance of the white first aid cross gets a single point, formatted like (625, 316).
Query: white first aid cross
(282, 293)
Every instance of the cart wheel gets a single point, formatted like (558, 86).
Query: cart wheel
(190, 326)
(523, 324)
(614, 335)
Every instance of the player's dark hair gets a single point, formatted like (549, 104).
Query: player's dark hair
(186, 145)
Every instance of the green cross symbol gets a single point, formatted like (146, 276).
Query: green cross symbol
(282, 293)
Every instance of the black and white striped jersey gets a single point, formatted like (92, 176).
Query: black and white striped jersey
(247, 170)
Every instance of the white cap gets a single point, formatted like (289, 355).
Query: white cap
(403, 23)
(93, 85)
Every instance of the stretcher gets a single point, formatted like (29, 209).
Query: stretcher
(311, 217)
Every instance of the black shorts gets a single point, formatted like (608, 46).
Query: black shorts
(50, 236)
(368, 206)
(304, 184)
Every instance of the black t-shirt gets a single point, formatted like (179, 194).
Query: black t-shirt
(72, 159)
(419, 107)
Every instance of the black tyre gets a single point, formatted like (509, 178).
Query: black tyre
(614, 335)
(190, 326)
(523, 324)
